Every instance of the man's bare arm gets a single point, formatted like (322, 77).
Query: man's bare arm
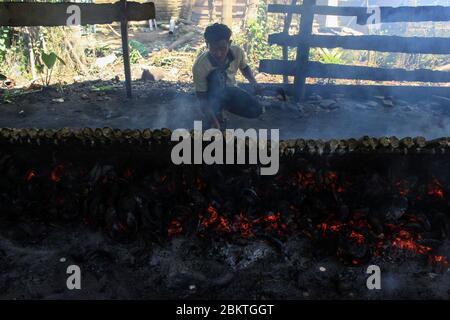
(248, 74)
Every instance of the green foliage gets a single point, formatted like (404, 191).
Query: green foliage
(4, 35)
(98, 51)
(46, 70)
(13, 58)
(430, 61)
(135, 56)
(255, 38)
(2, 77)
(50, 59)
(136, 45)
(325, 55)
(8, 96)
(137, 52)
(95, 88)
(163, 61)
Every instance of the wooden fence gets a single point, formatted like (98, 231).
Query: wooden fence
(57, 14)
(303, 68)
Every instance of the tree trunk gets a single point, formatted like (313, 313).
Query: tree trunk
(189, 7)
(252, 10)
(227, 12)
(29, 39)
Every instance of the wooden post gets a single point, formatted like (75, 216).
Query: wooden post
(287, 25)
(125, 48)
(227, 12)
(306, 26)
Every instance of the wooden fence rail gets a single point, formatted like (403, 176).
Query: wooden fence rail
(436, 45)
(339, 71)
(302, 68)
(387, 14)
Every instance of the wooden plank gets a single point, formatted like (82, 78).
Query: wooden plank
(281, 67)
(320, 70)
(17, 14)
(387, 14)
(408, 93)
(335, 71)
(283, 8)
(436, 45)
(306, 26)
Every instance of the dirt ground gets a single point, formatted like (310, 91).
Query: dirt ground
(173, 105)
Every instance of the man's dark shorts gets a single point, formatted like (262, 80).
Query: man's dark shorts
(232, 99)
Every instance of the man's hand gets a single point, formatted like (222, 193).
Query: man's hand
(206, 109)
(216, 123)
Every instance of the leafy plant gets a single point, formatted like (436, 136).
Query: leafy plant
(255, 38)
(333, 56)
(46, 70)
(136, 45)
(8, 96)
(98, 51)
(4, 34)
(135, 56)
(101, 88)
(138, 51)
(163, 60)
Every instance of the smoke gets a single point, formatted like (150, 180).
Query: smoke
(176, 111)
(352, 118)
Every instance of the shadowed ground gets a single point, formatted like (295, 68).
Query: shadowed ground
(172, 105)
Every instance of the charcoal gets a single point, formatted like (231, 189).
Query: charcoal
(249, 196)
(397, 209)
(344, 213)
(440, 225)
(376, 224)
(344, 281)
(338, 204)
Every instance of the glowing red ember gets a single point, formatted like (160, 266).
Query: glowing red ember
(30, 175)
(175, 228)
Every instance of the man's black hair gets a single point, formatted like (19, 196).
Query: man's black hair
(217, 32)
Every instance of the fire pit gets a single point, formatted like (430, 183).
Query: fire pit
(311, 231)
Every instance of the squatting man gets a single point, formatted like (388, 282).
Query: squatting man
(214, 74)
